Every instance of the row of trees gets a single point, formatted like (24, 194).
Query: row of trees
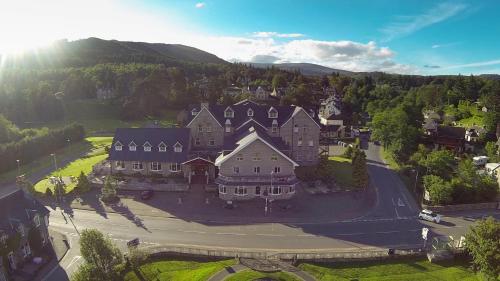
(36, 143)
(450, 181)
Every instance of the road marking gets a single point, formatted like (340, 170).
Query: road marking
(306, 235)
(230, 233)
(194, 231)
(73, 260)
(266, 234)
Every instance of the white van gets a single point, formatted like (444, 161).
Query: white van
(480, 160)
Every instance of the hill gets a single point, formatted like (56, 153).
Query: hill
(309, 69)
(91, 51)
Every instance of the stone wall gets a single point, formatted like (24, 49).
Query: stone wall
(462, 207)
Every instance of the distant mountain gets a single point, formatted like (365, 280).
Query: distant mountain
(304, 68)
(92, 51)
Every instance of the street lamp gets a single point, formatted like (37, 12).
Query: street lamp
(18, 167)
(55, 161)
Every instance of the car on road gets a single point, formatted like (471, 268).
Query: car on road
(145, 195)
(429, 215)
(376, 142)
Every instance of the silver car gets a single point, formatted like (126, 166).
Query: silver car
(429, 215)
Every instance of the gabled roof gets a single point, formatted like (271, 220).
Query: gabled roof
(245, 138)
(296, 111)
(155, 136)
(191, 118)
(18, 207)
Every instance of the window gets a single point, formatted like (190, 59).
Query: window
(304, 129)
(209, 129)
(211, 142)
(272, 113)
(36, 220)
(197, 141)
(239, 157)
(236, 170)
(222, 189)
(276, 190)
(194, 112)
(228, 113)
(120, 165)
(118, 146)
(277, 169)
(162, 147)
(137, 166)
(240, 190)
(175, 167)
(291, 189)
(274, 157)
(200, 128)
(132, 146)
(298, 157)
(249, 112)
(299, 142)
(155, 166)
(257, 190)
(296, 128)
(178, 147)
(256, 157)
(274, 128)
(311, 143)
(256, 170)
(147, 147)
(26, 250)
(3, 238)
(228, 128)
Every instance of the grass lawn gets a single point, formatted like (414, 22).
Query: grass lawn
(401, 270)
(102, 118)
(342, 170)
(471, 121)
(179, 270)
(94, 153)
(249, 275)
(384, 154)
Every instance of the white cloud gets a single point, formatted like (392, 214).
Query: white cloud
(444, 45)
(406, 25)
(474, 64)
(200, 5)
(269, 34)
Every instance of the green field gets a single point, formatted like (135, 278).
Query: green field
(178, 270)
(249, 275)
(341, 168)
(409, 270)
(93, 153)
(102, 118)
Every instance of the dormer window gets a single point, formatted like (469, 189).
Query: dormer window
(118, 146)
(272, 113)
(274, 128)
(147, 147)
(229, 113)
(162, 147)
(250, 112)
(132, 146)
(178, 147)
(228, 126)
(194, 112)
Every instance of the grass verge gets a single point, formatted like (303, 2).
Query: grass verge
(341, 168)
(94, 153)
(249, 275)
(407, 270)
(178, 270)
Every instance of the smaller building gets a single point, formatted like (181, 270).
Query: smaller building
(449, 137)
(233, 91)
(21, 217)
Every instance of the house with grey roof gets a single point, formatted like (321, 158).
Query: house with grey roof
(246, 149)
(21, 218)
(334, 121)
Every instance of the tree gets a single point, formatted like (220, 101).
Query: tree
(137, 257)
(108, 192)
(492, 151)
(100, 254)
(359, 170)
(83, 183)
(483, 243)
(440, 191)
(439, 162)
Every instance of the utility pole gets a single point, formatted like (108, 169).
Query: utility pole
(18, 167)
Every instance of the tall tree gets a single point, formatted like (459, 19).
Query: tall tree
(483, 243)
(100, 252)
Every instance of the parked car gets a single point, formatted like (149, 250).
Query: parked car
(133, 243)
(145, 195)
(429, 215)
(376, 142)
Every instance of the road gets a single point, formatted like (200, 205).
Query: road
(392, 223)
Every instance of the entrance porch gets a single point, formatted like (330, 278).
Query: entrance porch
(199, 171)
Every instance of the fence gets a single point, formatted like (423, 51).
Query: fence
(329, 255)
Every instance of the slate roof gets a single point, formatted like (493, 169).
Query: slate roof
(240, 113)
(18, 207)
(451, 132)
(155, 136)
(231, 142)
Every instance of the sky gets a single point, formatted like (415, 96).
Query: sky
(411, 37)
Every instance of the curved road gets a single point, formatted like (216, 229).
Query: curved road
(391, 224)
